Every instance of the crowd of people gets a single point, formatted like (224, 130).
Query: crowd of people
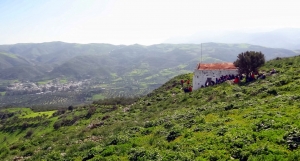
(224, 78)
(235, 78)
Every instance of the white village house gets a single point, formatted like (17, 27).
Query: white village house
(205, 73)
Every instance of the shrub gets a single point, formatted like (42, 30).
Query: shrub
(105, 117)
(146, 132)
(173, 135)
(222, 131)
(272, 91)
(59, 112)
(57, 125)
(4, 151)
(143, 154)
(91, 111)
(70, 108)
(87, 146)
(54, 156)
(109, 150)
(29, 152)
(295, 156)
(292, 139)
(263, 125)
(119, 139)
(29, 133)
(168, 125)
(150, 124)
(25, 146)
(229, 107)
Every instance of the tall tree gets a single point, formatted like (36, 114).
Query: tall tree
(249, 61)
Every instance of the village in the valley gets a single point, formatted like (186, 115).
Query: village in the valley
(21, 88)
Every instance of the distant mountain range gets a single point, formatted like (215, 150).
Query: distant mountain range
(288, 38)
(110, 70)
(54, 59)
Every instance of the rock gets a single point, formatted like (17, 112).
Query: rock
(17, 158)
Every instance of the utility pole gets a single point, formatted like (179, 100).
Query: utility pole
(201, 54)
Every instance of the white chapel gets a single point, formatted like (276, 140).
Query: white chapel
(205, 73)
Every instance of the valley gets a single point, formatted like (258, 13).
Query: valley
(132, 80)
(63, 74)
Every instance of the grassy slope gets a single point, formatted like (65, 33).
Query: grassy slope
(255, 121)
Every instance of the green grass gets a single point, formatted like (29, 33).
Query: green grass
(35, 114)
(166, 72)
(98, 96)
(138, 72)
(152, 77)
(43, 82)
(63, 81)
(2, 93)
(181, 66)
(27, 112)
(9, 55)
(114, 74)
(246, 121)
(118, 79)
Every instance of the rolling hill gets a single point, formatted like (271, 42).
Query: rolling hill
(123, 71)
(79, 60)
(246, 121)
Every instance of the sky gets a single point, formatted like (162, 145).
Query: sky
(137, 21)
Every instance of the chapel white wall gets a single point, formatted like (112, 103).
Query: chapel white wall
(200, 76)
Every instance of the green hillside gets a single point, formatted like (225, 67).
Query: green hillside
(249, 121)
(111, 70)
(8, 60)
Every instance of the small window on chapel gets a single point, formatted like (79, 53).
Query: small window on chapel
(197, 76)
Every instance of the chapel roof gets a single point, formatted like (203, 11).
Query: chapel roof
(216, 66)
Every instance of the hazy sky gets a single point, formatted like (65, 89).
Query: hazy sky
(137, 21)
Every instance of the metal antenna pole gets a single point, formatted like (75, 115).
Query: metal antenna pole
(201, 53)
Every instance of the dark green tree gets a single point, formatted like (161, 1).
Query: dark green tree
(70, 108)
(249, 61)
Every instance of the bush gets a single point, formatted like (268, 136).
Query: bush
(142, 154)
(59, 112)
(70, 108)
(57, 125)
(4, 151)
(54, 156)
(229, 107)
(292, 139)
(119, 139)
(272, 92)
(117, 101)
(173, 135)
(168, 125)
(109, 150)
(91, 111)
(29, 133)
(222, 131)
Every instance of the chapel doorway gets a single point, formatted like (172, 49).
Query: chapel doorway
(208, 82)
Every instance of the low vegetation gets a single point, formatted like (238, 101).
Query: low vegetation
(247, 121)
(123, 71)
